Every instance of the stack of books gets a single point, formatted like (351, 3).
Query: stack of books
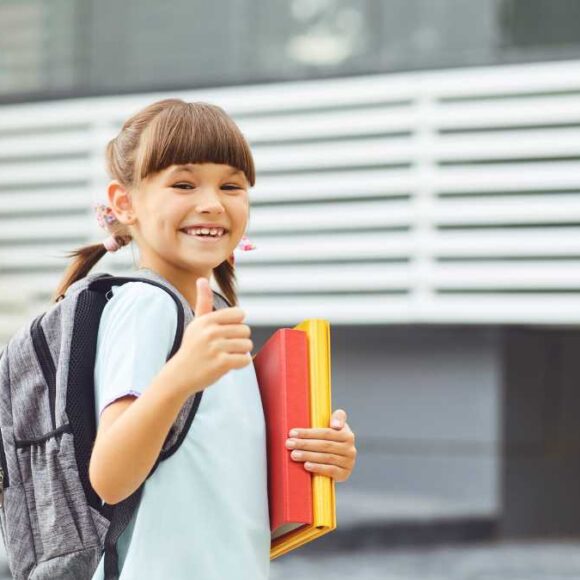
(293, 372)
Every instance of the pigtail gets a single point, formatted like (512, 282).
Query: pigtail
(83, 260)
(225, 276)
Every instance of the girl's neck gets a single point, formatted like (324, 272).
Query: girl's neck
(185, 283)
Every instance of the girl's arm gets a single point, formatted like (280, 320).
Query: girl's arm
(131, 434)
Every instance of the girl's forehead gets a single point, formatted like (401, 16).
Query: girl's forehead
(209, 167)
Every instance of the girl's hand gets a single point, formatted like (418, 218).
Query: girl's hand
(213, 344)
(325, 451)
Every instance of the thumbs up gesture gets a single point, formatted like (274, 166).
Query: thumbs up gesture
(213, 343)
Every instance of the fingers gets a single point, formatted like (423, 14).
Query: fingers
(317, 445)
(230, 315)
(321, 458)
(324, 433)
(237, 345)
(337, 473)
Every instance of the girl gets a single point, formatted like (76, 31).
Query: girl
(180, 179)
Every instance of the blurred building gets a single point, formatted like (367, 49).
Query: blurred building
(418, 186)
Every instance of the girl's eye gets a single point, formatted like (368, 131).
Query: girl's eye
(228, 187)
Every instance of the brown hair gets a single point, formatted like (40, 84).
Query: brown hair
(168, 132)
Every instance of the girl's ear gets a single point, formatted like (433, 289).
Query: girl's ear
(120, 202)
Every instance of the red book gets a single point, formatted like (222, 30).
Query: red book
(283, 377)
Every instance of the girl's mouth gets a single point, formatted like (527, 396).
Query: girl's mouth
(205, 235)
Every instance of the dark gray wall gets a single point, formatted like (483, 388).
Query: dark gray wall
(541, 478)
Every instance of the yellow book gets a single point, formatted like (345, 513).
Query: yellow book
(323, 492)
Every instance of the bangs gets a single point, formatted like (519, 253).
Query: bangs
(193, 133)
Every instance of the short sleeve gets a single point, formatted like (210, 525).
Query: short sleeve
(136, 333)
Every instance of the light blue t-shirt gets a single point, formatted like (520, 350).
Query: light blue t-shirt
(203, 514)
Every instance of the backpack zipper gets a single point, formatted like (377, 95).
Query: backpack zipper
(46, 363)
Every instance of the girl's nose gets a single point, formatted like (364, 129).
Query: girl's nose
(209, 201)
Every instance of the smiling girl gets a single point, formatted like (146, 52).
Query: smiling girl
(180, 177)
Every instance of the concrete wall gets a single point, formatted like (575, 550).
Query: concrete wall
(541, 479)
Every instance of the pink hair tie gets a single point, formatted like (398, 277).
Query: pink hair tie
(111, 244)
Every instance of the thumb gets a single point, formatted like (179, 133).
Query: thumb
(338, 419)
(204, 298)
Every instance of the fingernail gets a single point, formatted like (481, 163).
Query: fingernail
(296, 454)
(335, 423)
(290, 444)
(294, 433)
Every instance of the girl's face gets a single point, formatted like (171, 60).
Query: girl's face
(188, 195)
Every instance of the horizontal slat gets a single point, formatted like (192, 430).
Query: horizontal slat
(529, 242)
(334, 185)
(524, 209)
(340, 309)
(550, 176)
(538, 275)
(29, 145)
(549, 308)
(508, 145)
(507, 80)
(45, 172)
(508, 113)
(307, 247)
(326, 278)
(364, 152)
(64, 198)
(324, 125)
(44, 228)
(29, 285)
(348, 216)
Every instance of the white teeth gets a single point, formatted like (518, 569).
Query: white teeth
(216, 232)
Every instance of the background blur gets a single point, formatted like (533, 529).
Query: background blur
(418, 186)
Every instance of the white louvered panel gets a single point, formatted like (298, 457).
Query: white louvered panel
(333, 247)
(326, 278)
(25, 289)
(510, 144)
(40, 144)
(367, 308)
(522, 209)
(505, 80)
(523, 243)
(561, 109)
(348, 153)
(44, 172)
(34, 256)
(343, 184)
(324, 124)
(355, 216)
(43, 228)
(436, 197)
(35, 201)
(507, 275)
(542, 176)
(514, 308)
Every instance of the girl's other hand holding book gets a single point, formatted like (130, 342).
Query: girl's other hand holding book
(330, 451)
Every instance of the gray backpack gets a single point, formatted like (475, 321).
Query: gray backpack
(53, 523)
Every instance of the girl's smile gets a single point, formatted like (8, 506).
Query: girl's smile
(204, 235)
